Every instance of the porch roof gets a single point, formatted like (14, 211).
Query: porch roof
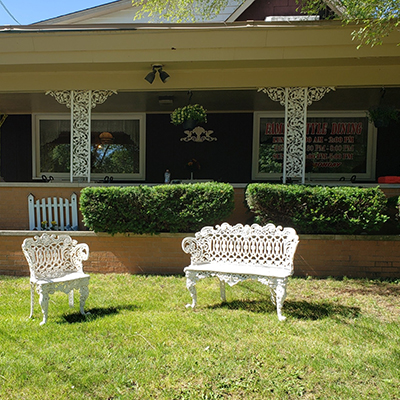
(202, 56)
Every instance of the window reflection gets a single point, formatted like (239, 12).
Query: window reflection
(115, 146)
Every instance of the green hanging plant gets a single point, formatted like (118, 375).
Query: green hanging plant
(193, 112)
(382, 115)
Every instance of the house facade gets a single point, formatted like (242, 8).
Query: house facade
(286, 98)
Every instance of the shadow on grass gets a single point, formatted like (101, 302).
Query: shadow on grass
(95, 313)
(295, 309)
(383, 289)
(313, 311)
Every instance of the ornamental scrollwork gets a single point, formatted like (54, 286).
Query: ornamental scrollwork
(240, 252)
(275, 94)
(199, 135)
(81, 102)
(80, 121)
(295, 100)
(100, 96)
(62, 96)
(317, 93)
(55, 264)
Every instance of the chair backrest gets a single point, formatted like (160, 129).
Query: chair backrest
(52, 256)
(56, 214)
(268, 245)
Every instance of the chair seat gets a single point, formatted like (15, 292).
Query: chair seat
(66, 278)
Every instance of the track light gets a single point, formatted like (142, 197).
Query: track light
(157, 68)
(150, 76)
(163, 75)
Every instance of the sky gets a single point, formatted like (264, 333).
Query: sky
(28, 11)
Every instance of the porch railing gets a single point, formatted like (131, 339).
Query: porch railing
(56, 214)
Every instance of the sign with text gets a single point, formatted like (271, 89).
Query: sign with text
(334, 145)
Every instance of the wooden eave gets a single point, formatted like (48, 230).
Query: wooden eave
(207, 56)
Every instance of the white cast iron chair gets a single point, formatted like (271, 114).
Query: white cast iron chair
(55, 264)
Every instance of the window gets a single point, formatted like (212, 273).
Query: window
(338, 145)
(117, 146)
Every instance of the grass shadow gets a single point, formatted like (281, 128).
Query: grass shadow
(319, 310)
(95, 313)
(363, 286)
(296, 309)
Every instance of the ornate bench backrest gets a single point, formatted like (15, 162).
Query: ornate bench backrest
(262, 245)
(51, 256)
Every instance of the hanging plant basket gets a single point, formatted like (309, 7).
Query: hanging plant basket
(190, 124)
(382, 115)
(381, 123)
(194, 113)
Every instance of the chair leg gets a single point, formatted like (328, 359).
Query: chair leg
(84, 294)
(32, 298)
(44, 302)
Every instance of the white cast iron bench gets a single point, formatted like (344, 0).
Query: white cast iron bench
(55, 264)
(236, 253)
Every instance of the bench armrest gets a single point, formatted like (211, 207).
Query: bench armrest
(79, 253)
(192, 246)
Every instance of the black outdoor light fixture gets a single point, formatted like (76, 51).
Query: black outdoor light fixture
(157, 68)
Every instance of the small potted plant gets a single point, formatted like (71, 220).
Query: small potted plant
(382, 115)
(189, 116)
(193, 165)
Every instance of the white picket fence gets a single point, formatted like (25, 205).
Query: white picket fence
(53, 214)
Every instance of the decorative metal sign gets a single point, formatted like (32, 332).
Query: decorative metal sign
(81, 103)
(295, 100)
(199, 135)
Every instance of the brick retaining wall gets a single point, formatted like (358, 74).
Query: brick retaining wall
(319, 256)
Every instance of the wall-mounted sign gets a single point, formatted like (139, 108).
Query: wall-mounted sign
(336, 145)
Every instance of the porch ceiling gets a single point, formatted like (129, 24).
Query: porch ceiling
(212, 100)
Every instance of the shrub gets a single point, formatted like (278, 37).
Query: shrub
(165, 208)
(393, 210)
(398, 209)
(319, 209)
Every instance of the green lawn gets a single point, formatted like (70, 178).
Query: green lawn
(341, 340)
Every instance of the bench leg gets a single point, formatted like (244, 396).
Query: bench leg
(222, 290)
(280, 291)
(71, 298)
(44, 302)
(84, 294)
(191, 280)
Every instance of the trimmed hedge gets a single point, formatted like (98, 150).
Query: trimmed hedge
(397, 213)
(319, 209)
(393, 209)
(152, 209)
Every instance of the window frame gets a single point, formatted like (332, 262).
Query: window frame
(369, 175)
(65, 176)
